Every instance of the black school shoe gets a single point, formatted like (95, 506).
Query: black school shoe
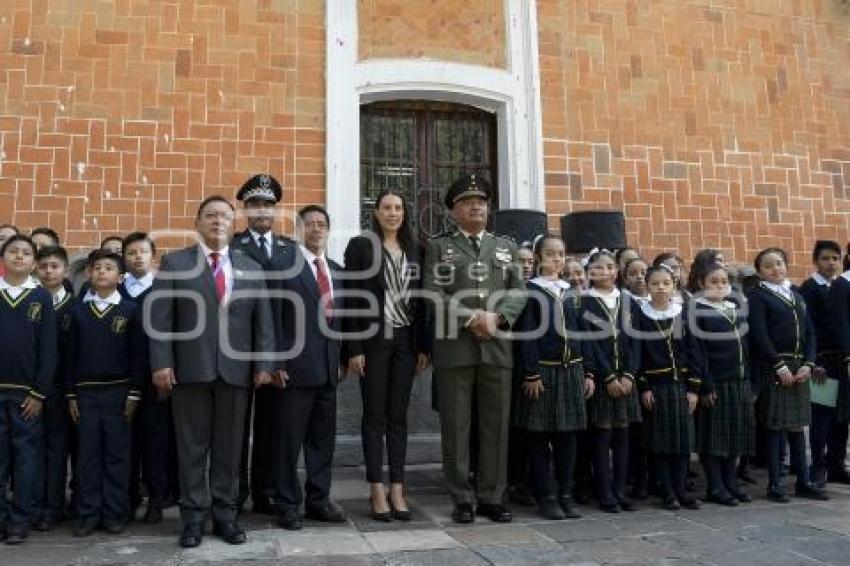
(670, 503)
(463, 513)
(566, 503)
(687, 501)
(809, 491)
(85, 528)
(494, 512)
(721, 498)
(777, 495)
(550, 509)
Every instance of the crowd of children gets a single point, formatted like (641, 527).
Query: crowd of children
(631, 372)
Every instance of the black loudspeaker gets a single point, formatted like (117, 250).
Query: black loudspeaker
(519, 224)
(583, 231)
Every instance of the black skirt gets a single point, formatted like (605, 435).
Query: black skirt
(785, 407)
(607, 411)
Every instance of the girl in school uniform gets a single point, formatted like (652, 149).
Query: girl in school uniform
(675, 264)
(551, 403)
(634, 280)
(782, 343)
(615, 406)
(668, 386)
(725, 423)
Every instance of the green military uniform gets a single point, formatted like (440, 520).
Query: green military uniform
(464, 280)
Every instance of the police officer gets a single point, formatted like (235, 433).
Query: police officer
(478, 293)
(259, 195)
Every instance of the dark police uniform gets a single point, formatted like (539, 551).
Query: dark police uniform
(269, 253)
(470, 371)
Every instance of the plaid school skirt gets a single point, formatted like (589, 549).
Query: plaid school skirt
(669, 426)
(785, 407)
(561, 406)
(727, 428)
(606, 411)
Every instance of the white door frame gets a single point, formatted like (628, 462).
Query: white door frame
(512, 94)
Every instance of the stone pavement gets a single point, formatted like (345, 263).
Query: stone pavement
(801, 533)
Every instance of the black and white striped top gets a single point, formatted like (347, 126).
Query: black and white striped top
(397, 295)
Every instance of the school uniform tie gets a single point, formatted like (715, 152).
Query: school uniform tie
(324, 287)
(218, 275)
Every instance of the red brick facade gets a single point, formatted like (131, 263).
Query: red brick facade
(720, 123)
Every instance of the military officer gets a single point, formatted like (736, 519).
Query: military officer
(478, 293)
(259, 196)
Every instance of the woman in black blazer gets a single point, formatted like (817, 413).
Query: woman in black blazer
(393, 346)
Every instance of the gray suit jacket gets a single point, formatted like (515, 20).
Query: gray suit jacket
(249, 326)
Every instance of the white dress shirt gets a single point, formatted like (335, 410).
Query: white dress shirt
(136, 286)
(267, 236)
(102, 303)
(15, 291)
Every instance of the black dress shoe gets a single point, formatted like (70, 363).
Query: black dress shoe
(625, 503)
(463, 513)
(85, 528)
(670, 502)
(520, 495)
(192, 535)
(609, 506)
(566, 503)
(42, 524)
(777, 495)
(808, 491)
(494, 512)
(838, 476)
(153, 515)
(264, 506)
(289, 519)
(688, 501)
(402, 515)
(113, 528)
(721, 498)
(230, 532)
(550, 509)
(16, 536)
(328, 513)
(740, 495)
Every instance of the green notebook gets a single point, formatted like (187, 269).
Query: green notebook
(825, 393)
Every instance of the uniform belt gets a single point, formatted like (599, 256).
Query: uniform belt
(560, 363)
(786, 355)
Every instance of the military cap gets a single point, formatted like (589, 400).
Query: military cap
(260, 187)
(471, 185)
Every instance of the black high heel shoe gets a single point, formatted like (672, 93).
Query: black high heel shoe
(398, 514)
(382, 516)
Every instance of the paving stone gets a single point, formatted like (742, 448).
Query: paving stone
(623, 551)
(507, 534)
(584, 529)
(395, 541)
(453, 557)
(531, 555)
(330, 541)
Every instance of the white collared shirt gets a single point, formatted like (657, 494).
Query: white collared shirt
(820, 279)
(783, 290)
(635, 298)
(59, 296)
(556, 286)
(101, 303)
(310, 258)
(15, 292)
(268, 236)
(672, 310)
(224, 263)
(719, 305)
(136, 286)
(609, 299)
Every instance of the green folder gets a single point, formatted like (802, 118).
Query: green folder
(825, 393)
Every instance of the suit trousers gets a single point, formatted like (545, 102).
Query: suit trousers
(488, 387)
(306, 418)
(259, 447)
(386, 387)
(156, 442)
(209, 419)
(103, 456)
(21, 445)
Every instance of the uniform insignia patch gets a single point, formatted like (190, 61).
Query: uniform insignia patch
(119, 325)
(34, 312)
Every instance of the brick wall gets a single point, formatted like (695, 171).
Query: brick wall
(461, 31)
(721, 123)
(125, 114)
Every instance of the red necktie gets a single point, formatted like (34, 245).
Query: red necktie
(324, 287)
(218, 275)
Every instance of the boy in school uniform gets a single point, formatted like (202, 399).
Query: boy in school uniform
(52, 268)
(27, 366)
(103, 368)
(815, 291)
(152, 430)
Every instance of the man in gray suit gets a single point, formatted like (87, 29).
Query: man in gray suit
(207, 314)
